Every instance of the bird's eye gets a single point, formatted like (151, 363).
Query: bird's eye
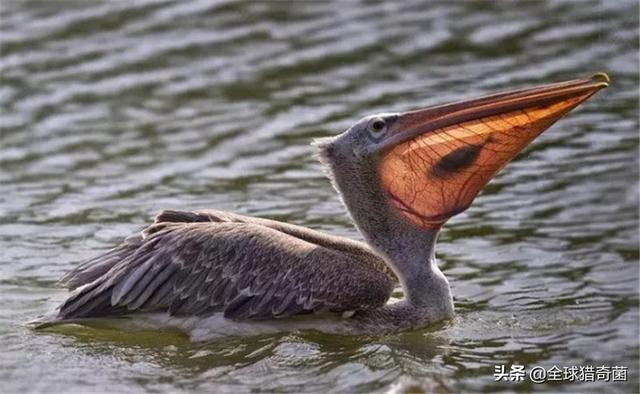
(377, 127)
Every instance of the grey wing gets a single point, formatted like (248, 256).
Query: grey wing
(339, 244)
(246, 270)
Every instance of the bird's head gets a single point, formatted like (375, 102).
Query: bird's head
(431, 163)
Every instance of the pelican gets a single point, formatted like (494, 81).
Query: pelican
(401, 176)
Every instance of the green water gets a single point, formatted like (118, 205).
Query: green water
(111, 111)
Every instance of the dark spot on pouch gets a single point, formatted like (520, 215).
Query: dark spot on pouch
(457, 160)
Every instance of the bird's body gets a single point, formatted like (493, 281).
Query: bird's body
(213, 273)
(206, 262)
(401, 176)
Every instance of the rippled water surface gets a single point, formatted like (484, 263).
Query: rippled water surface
(111, 111)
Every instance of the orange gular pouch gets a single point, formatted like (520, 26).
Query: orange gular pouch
(454, 151)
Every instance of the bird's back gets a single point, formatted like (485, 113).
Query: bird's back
(199, 263)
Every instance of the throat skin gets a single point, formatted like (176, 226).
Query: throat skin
(406, 248)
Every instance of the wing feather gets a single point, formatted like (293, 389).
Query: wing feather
(160, 278)
(219, 262)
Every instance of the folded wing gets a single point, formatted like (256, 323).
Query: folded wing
(198, 263)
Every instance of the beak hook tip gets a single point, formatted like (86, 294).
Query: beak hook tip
(602, 79)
